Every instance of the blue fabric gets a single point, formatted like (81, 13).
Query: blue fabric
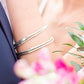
(7, 52)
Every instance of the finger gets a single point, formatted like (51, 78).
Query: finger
(23, 70)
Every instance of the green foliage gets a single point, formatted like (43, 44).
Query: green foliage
(79, 56)
(80, 49)
(80, 25)
(68, 44)
(77, 38)
(57, 51)
(78, 67)
(75, 29)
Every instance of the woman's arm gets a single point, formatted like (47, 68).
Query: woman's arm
(25, 19)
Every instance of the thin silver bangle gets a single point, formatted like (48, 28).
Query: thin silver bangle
(35, 47)
(42, 6)
(28, 37)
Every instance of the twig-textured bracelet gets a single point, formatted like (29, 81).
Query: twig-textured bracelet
(35, 48)
(28, 37)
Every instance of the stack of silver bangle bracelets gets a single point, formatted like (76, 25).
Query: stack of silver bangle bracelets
(28, 37)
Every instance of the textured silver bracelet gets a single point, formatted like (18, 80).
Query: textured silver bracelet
(35, 47)
(28, 37)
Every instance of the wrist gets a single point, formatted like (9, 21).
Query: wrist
(33, 56)
(40, 38)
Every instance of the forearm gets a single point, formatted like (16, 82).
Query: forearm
(25, 19)
(24, 16)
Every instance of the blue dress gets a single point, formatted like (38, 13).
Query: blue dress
(7, 52)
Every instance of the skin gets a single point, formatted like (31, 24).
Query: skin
(63, 18)
(23, 17)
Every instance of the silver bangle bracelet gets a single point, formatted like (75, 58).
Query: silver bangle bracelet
(35, 48)
(28, 37)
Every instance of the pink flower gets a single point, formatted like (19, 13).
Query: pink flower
(67, 73)
(39, 68)
(44, 63)
(61, 66)
(44, 71)
(44, 55)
